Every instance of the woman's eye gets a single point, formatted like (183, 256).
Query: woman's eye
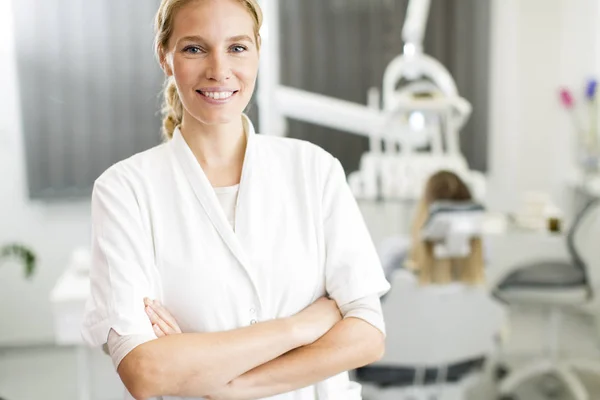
(238, 48)
(192, 50)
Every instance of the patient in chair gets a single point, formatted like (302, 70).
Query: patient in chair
(444, 187)
(442, 322)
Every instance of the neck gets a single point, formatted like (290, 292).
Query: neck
(215, 146)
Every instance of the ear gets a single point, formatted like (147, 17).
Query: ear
(259, 41)
(164, 64)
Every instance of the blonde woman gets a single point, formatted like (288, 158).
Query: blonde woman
(443, 186)
(229, 265)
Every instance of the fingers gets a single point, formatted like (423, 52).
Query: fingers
(161, 317)
(165, 316)
(157, 321)
(158, 331)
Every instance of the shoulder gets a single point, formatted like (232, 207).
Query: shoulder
(135, 169)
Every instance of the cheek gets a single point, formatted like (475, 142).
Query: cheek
(185, 72)
(247, 75)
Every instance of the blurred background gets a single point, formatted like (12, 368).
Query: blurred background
(509, 104)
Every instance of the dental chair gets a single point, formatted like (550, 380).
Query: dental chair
(441, 339)
(557, 286)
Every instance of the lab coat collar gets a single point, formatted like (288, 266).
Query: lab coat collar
(207, 197)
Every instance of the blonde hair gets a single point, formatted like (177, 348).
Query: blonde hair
(444, 185)
(172, 107)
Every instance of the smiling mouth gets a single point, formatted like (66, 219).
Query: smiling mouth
(217, 95)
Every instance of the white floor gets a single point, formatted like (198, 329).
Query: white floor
(54, 373)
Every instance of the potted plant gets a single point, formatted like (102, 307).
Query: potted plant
(22, 254)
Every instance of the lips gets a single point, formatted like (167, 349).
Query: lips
(217, 94)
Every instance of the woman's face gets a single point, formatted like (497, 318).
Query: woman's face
(213, 56)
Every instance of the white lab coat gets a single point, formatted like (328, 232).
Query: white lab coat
(160, 232)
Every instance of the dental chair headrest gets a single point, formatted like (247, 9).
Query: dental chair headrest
(451, 226)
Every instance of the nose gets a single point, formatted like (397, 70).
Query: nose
(218, 68)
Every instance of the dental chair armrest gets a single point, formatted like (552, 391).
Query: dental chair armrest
(515, 250)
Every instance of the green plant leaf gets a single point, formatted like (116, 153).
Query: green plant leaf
(23, 255)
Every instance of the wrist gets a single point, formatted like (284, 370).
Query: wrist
(238, 387)
(231, 391)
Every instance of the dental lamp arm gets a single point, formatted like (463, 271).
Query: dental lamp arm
(415, 24)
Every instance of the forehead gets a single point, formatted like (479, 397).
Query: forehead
(213, 20)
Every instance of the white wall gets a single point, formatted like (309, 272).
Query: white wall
(52, 231)
(537, 46)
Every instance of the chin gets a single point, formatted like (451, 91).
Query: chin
(219, 118)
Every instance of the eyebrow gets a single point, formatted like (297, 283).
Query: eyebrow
(238, 38)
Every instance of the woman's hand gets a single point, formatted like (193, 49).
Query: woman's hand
(317, 319)
(162, 321)
(311, 323)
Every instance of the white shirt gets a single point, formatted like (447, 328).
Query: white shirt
(367, 309)
(160, 232)
(227, 197)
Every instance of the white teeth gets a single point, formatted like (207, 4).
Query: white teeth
(218, 95)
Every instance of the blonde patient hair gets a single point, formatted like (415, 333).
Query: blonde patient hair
(172, 107)
(444, 185)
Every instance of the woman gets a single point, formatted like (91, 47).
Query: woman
(254, 244)
(444, 186)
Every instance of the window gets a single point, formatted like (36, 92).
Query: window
(90, 89)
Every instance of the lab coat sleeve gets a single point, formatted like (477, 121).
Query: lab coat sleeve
(368, 309)
(119, 346)
(352, 267)
(123, 270)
